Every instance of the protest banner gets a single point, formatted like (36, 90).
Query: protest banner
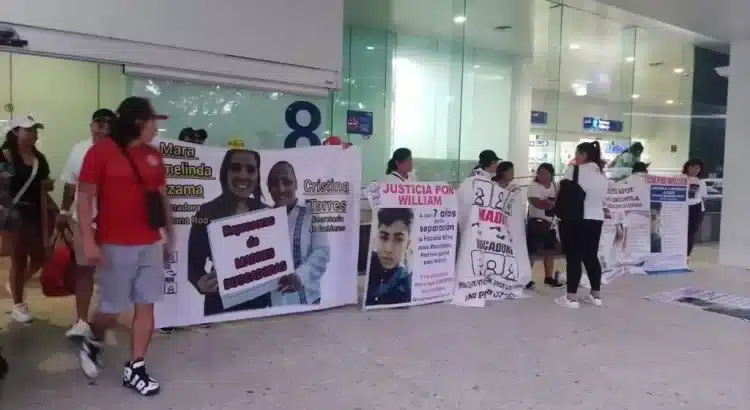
(493, 261)
(216, 191)
(412, 244)
(645, 227)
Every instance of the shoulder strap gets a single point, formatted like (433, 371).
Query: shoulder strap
(138, 177)
(575, 173)
(27, 184)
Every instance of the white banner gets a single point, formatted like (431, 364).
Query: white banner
(645, 227)
(412, 244)
(493, 260)
(259, 233)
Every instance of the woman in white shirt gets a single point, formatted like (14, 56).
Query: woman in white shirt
(541, 237)
(697, 193)
(580, 237)
(399, 166)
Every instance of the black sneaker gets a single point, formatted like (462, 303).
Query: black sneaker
(530, 285)
(89, 357)
(136, 378)
(167, 330)
(553, 282)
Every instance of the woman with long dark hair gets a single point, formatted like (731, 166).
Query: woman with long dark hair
(29, 182)
(123, 178)
(400, 166)
(697, 194)
(541, 236)
(580, 237)
(239, 176)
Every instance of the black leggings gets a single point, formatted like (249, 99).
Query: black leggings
(695, 218)
(580, 241)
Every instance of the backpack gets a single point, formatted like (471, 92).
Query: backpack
(570, 198)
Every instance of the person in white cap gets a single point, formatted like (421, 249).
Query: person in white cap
(29, 182)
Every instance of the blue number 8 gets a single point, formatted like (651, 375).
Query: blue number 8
(299, 130)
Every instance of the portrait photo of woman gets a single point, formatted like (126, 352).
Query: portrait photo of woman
(310, 250)
(389, 279)
(239, 176)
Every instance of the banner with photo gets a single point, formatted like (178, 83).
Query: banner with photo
(493, 260)
(412, 251)
(259, 233)
(645, 227)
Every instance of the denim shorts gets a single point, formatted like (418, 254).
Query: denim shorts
(130, 275)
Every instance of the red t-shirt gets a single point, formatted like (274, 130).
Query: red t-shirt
(121, 200)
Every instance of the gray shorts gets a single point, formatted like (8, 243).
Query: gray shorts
(130, 275)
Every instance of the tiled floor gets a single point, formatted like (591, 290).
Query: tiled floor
(528, 354)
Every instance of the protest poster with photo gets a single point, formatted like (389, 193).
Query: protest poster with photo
(493, 260)
(645, 227)
(412, 244)
(315, 212)
(668, 225)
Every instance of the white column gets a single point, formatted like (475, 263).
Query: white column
(520, 116)
(734, 246)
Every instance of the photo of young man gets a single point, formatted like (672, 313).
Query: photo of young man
(239, 176)
(310, 250)
(389, 279)
(655, 227)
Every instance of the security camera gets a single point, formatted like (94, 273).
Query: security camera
(9, 37)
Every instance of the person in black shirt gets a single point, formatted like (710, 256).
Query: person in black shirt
(239, 176)
(29, 182)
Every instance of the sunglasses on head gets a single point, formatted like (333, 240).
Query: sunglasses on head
(237, 167)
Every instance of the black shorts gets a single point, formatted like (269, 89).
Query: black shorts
(539, 239)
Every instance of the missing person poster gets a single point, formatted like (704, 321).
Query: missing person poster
(412, 244)
(645, 227)
(493, 261)
(215, 191)
(668, 213)
(252, 253)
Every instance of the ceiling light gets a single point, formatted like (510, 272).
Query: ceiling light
(636, 96)
(574, 46)
(477, 65)
(679, 70)
(629, 59)
(459, 19)
(670, 101)
(370, 48)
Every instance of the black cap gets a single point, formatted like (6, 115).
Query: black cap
(103, 114)
(487, 157)
(138, 108)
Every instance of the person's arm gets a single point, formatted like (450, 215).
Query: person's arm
(89, 181)
(702, 190)
(199, 250)
(535, 198)
(314, 266)
(69, 177)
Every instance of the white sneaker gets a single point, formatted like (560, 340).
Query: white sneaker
(565, 302)
(79, 329)
(592, 300)
(20, 313)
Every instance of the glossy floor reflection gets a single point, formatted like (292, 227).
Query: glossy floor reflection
(529, 354)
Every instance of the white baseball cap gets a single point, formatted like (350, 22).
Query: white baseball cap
(26, 121)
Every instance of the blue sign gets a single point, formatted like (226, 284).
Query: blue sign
(359, 122)
(668, 193)
(600, 124)
(539, 117)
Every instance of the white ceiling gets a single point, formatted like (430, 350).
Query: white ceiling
(601, 60)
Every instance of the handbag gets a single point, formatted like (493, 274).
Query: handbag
(10, 218)
(58, 277)
(157, 217)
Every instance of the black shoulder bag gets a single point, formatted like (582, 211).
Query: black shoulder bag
(570, 198)
(157, 218)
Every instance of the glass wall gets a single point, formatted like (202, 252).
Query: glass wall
(597, 78)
